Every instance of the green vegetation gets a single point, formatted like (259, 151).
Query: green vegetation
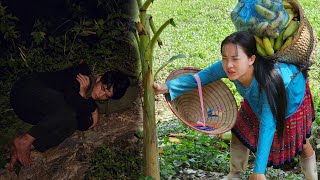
(187, 148)
(115, 163)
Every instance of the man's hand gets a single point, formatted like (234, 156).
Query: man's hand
(257, 177)
(160, 88)
(95, 119)
(84, 84)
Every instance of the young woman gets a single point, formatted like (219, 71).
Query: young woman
(275, 117)
(59, 103)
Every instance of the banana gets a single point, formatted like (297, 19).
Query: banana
(279, 42)
(271, 41)
(266, 13)
(260, 50)
(286, 5)
(259, 41)
(261, 28)
(275, 23)
(287, 43)
(290, 11)
(290, 17)
(291, 29)
(268, 46)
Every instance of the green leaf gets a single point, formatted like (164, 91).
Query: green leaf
(170, 60)
(38, 36)
(173, 23)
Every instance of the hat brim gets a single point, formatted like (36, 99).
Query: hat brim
(219, 105)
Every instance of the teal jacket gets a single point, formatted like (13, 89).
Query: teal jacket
(295, 89)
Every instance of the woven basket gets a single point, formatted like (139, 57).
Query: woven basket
(217, 97)
(303, 47)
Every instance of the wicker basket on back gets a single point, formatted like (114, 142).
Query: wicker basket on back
(303, 47)
(219, 105)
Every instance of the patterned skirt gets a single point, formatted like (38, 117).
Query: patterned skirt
(297, 130)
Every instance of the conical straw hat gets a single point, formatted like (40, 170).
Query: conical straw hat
(220, 107)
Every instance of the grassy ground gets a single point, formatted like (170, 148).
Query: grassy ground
(201, 26)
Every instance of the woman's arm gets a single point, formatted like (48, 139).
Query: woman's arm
(181, 85)
(266, 135)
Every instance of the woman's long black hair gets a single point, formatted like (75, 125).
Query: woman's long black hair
(267, 76)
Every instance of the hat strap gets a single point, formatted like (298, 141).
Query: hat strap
(196, 76)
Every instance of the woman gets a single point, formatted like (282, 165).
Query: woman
(276, 115)
(59, 103)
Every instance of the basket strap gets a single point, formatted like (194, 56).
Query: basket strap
(196, 76)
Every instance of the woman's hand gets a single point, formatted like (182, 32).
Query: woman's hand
(95, 118)
(160, 88)
(255, 176)
(84, 84)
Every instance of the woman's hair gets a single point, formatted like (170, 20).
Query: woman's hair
(267, 76)
(118, 80)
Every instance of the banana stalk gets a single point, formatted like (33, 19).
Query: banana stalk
(146, 47)
(150, 139)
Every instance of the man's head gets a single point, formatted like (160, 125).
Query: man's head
(111, 85)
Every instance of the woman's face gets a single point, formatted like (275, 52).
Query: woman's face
(236, 63)
(101, 91)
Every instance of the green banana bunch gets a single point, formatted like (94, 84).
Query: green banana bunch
(291, 29)
(274, 16)
(272, 24)
(266, 41)
(261, 50)
(279, 42)
(286, 4)
(265, 45)
(268, 46)
(264, 12)
(259, 41)
(287, 43)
